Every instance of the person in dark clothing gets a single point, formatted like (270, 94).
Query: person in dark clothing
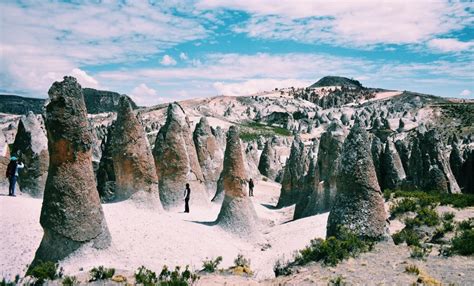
(187, 196)
(251, 188)
(12, 174)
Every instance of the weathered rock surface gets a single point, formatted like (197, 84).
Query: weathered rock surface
(210, 154)
(71, 214)
(105, 172)
(428, 166)
(359, 206)
(269, 164)
(237, 214)
(391, 168)
(251, 158)
(32, 144)
(177, 162)
(295, 170)
(467, 171)
(130, 153)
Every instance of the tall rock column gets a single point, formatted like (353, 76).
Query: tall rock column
(134, 167)
(32, 144)
(209, 153)
(237, 212)
(71, 214)
(391, 167)
(359, 205)
(177, 162)
(269, 164)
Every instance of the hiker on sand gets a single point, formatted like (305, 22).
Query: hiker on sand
(187, 196)
(251, 188)
(12, 174)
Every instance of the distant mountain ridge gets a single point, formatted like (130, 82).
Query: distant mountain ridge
(337, 81)
(97, 101)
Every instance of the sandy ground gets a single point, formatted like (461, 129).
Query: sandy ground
(145, 237)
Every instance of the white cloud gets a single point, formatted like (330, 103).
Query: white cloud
(84, 79)
(168, 61)
(145, 96)
(183, 56)
(450, 45)
(356, 23)
(256, 85)
(465, 92)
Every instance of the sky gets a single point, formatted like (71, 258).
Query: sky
(161, 51)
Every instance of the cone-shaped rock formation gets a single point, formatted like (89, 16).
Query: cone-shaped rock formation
(359, 205)
(237, 212)
(71, 214)
(177, 162)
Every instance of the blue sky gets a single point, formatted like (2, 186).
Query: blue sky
(159, 51)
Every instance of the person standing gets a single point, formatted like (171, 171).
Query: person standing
(187, 196)
(251, 188)
(12, 174)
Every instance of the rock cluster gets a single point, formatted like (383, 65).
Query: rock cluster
(71, 214)
(31, 145)
(177, 162)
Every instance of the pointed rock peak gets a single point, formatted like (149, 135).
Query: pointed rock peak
(176, 112)
(125, 105)
(69, 87)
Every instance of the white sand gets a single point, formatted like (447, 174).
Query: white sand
(143, 237)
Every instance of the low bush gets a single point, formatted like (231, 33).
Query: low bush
(241, 261)
(5, 282)
(412, 269)
(448, 216)
(211, 264)
(407, 235)
(420, 252)
(337, 281)
(333, 250)
(101, 273)
(145, 276)
(403, 206)
(46, 271)
(466, 224)
(70, 281)
(463, 242)
(425, 216)
(177, 277)
(456, 200)
(282, 268)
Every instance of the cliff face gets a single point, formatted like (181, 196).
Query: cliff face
(97, 101)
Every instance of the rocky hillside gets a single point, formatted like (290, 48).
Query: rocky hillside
(337, 81)
(97, 101)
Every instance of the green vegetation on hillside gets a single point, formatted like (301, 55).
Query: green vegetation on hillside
(252, 130)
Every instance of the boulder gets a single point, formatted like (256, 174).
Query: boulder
(209, 152)
(71, 215)
(359, 205)
(31, 145)
(237, 214)
(177, 162)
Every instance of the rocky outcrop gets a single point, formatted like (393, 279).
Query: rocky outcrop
(359, 206)
(330, 148)
(209, 153)
(467, 169)
(269, 164)
(237, 214)
(71, 214)
(133, 164)
(391, 168)
(295, 168)
(4, 160)
(32, 144)
(456, 160)
(428, 166)
(177, 162)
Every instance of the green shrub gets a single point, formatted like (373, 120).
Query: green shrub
(466, 224)
(241, 261)
(448, 216)
(5, 282)
(420, 252)
(337, 281)
(412, 269)
(211, 264)
(46, 271)
(448, 226)
(101, 273)
(333, 250)
(463, 242)
(456, 200)
(176, 277)
(425, 216)
(145, 276)
(403, 206)
(70, 281)
(407, 235)
(282, 268)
